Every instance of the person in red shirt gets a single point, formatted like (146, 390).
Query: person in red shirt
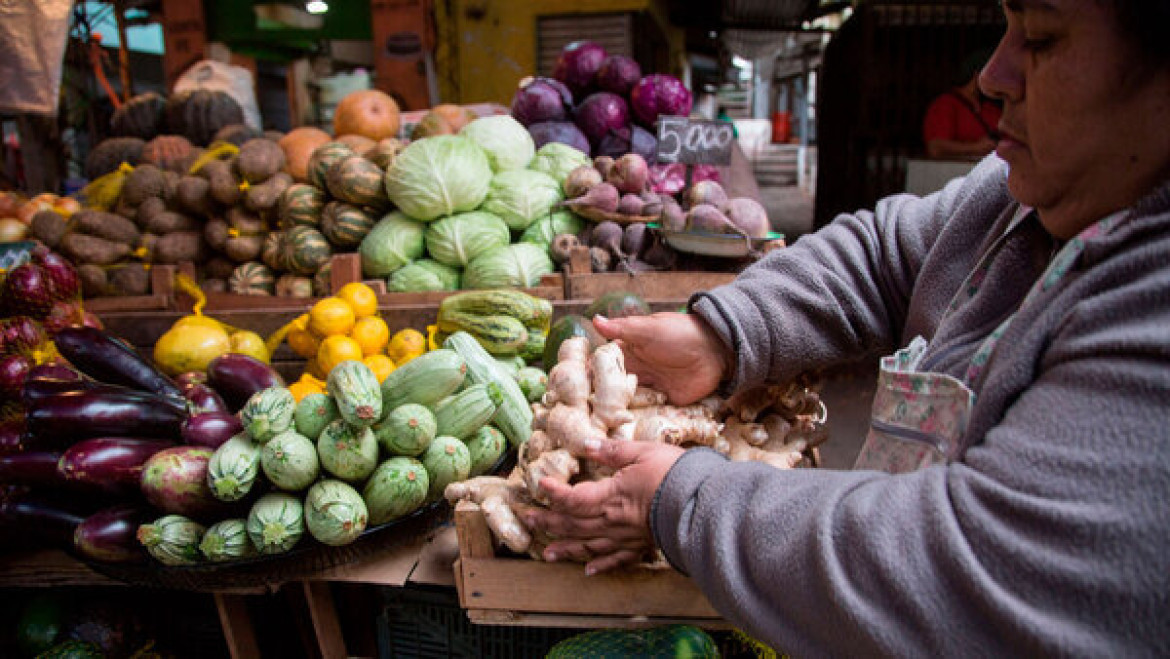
(960, 123)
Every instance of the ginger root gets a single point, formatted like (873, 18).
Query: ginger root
(496, 497)
(558, 464)
(613, 388)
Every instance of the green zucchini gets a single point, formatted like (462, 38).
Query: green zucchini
(397, 488)
(232, 469)
(513, 416)
(467, 411)
(533, 312)
(500, 335)
(227, 541)
(172, 540)
(356, 391)
(407, 430)
(424, 380)
(276, 523)
(447, 461)
(335, 513)
(268, 413)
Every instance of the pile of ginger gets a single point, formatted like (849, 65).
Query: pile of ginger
(591, 397)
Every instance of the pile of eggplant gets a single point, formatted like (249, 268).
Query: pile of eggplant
(107, 441)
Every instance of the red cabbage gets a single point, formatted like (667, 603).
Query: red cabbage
(705, 173)
(600, 114)
(618, 74)
(638, 140)
(541, 99)
(659, 94)
(564, 132)
(668, 179)
(577, 66)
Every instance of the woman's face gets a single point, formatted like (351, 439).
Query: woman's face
(1085, 127)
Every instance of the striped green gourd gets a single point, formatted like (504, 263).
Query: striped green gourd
(499, 335)
(345, 224)
(346, 452)
(233, 467)
(447, 461)
(357, 181)
(268, 413)
(272, 253)
(301, 205)
(397, 488)
(335, 513)
(408, 430)
(463, 413)
(424, 380)
(227, 540)
(533, 311)
(356, 391)
(306, 250)
(323, 158)
(172, 540)
(290, 462)
(514, 416)
(486, 446)
(252, 278)
(276, 523)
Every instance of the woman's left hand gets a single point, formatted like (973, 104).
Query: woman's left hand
(606, 523)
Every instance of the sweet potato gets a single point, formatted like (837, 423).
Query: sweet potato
(214, 285)
(83, 248)
(194, 196)
(148, 209)
(94, 281)
(225, 188)
(218, 268)
(215, 232)
(170, 222)
(109, 226)
(244, 222)
(171, 187)
(48, 227)
(144, 182)
(264, 196)
(259, 159)
(243, 248)
(131, 279)
(148, 241)
(180, 246)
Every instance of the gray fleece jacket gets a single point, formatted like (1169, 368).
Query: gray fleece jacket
(1049, 535)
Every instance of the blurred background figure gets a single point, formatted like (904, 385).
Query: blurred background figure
(960, 123)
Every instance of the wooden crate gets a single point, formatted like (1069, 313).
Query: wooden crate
(160, 298)
(581, 283)
(520, 591)
(347, 268)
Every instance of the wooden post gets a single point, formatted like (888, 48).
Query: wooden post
(404, 40)
(237, 626)
(123, 51)
(326, 627)
(184, 36)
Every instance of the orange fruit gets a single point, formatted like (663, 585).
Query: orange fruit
(337, 349)
(371, 333)
(303, 342)
(331, 317)
(381, 365)
(305, 386)
(405, 345)
(361, 298)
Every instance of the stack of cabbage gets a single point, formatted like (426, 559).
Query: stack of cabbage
(363, 454)
(473, 210)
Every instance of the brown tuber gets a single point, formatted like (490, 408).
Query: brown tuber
(581, 180)
(562, 247)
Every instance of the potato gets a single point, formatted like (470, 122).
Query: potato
(144, 182)
(170, 222)
(180, 246)
(245, 222)
(48, 227)
(242, 249)
(218, 268)
(264, 196)
(171, 187)
(214, 285)
(105, 225)
(148, 209)
(215, 232)
(259, 159)
(194, 196)
(82, 248)
(225, 188)
(94, 282)
(131, 279)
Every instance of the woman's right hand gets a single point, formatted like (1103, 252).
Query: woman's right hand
(676, 353)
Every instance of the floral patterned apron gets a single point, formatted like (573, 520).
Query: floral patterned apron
(919, 417)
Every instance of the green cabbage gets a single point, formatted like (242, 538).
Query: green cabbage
(557, 160)
(522, 197)
(438, 176)
(515, 266)
(393, 242)
(423, 275)
(506, 141)
(458, 239)
(542, 231)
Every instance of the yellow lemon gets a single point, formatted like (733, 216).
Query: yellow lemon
(361, 298)
(405, 345)
(371, 333)
(201, 321)
(189, 347)
(336, 349)
(303, 342)
(331, 317)
(249, 343)
(381, 365)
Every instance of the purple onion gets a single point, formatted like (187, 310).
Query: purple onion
(658, 94)
(600, 114)
(565, 132)
(541, 99)
(577, 66)
(618, 74)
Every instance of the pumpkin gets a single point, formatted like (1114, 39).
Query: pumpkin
(236, 134)
(298, 145)
(323, 158)
(170, 152)
(385, 152)
(306, 250)
(109, 154)
(370, 113)
(301, 205)
(252, 278)
(361, 145)
(357, 181)
(272, 253)
(323, 280)
(198, 114)
(141, 116)
(345, 225)
(294, 286)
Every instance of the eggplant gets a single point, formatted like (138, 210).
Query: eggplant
(107, 359)
(211, 429)
(204, 399)
(54, 371)
(72, 416)
(236, 377)
(110, 535)
(111, 464)
(34, 519)
(31, 468)
(12, 439)
(190, 378)
(40, 388)
(174, 480)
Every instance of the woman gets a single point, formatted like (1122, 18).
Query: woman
(1041, 282)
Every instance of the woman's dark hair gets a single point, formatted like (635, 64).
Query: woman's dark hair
(1145, 22)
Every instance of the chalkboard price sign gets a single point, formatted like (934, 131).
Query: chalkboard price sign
(694, 141)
